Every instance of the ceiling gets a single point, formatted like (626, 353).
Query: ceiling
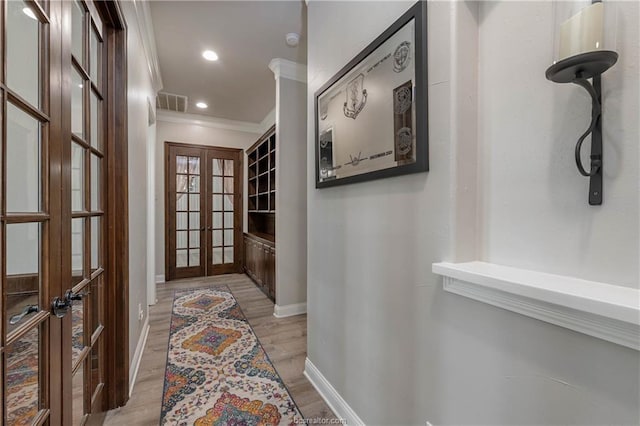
(246, 35)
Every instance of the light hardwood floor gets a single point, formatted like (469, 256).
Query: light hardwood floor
(284, 340)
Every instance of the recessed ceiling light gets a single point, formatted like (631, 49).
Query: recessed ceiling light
(210, 55)
(27, 11)
(201, 105)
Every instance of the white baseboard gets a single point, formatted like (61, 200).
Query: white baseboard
(137, 356)
(289, 310)
(159, 279)
(330, 395)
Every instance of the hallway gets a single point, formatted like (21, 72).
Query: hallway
(284, 340)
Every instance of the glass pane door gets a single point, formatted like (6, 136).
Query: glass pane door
(224, 233)
(25, 216)
(87, 212)
(185, 217)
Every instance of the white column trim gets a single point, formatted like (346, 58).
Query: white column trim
(290, 70)
(289, 310)
(137, 356)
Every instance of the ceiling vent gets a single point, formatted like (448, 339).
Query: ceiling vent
(171, 102)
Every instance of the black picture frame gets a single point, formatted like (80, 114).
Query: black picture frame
(417, 12)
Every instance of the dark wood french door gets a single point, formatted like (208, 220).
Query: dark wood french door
(52, 212)
(203, 210)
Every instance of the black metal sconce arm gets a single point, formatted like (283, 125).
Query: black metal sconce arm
(596, 111)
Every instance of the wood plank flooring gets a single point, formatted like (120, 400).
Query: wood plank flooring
(284, 340)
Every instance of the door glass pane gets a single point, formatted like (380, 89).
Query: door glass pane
(94, 66)
(217, 202)
(96, 297)
(194, 202)
(194, 183)
(194, 220)
(217, 184)
(194, 165)
(77, 252)
(77, 31)
(23, 272)
(181, 221)
(23, 56)
(217, 167)
(77, 330)
(95, 106)
(181, 202)
(228, 237)
(194, 239)
(78, 396)
(217, 256)
(217, 237)
(228, 255)
(228, 219)
(94, 364)
(77, 177)
(23, 383)
(228, 167)
(181, 183)
(95, 182)
(228, 185)
(95, 243)
(181, 258)
(181, 239)
(228, 202)
(23, 171)
(217, 220)
(77, 106)
(181, 164)
(194, 257)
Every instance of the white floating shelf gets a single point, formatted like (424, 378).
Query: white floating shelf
(606, 311)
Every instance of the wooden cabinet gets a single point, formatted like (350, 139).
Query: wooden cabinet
(260, 263)
(259, 243)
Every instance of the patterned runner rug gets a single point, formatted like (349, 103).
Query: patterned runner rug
(217, 372)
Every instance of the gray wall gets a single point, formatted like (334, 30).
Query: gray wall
(395, 346)
(535, 205)
(291, 197)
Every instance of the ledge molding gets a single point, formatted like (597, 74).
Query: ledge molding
(330, 395)
(605, 311)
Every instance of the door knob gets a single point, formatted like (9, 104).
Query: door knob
(29, 309)
(71, 297)
(59, 307)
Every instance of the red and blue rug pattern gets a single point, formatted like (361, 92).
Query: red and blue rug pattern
(217, 372)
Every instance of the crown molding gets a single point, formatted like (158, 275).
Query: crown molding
(144, 25)
(205, 121)
(290, 70)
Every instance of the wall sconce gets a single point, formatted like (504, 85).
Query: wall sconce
(580, 55)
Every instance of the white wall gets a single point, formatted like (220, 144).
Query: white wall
(139, 88)
(291, 197)
(536, 214)
(194, 134)
(395, 346)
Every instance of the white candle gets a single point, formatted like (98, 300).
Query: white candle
(582, 33)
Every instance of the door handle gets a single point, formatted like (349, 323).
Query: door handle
(60, 307)
(203, 229)
(71, 297)
(29, 309)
